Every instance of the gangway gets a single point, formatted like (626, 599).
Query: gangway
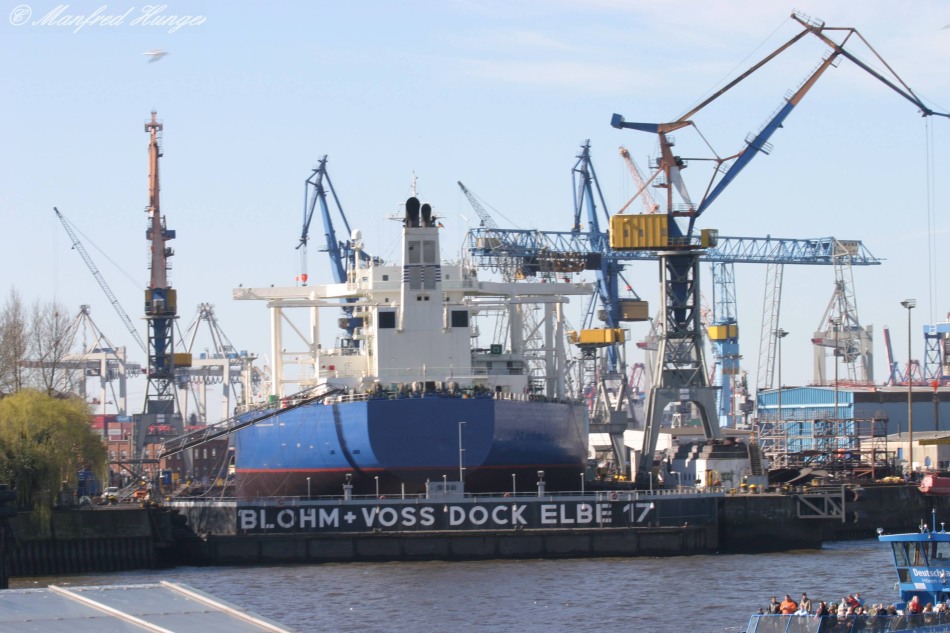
(236, 423)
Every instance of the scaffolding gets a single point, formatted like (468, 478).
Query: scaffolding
(849, 447)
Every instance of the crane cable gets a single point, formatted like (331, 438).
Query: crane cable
(931, 218)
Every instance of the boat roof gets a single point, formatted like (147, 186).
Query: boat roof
(163, 607)
(926, 534)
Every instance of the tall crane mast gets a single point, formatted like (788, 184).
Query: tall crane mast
(78, 246)
(161, 417)
(161, 305)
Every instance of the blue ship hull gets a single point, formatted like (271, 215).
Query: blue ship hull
(400, 443)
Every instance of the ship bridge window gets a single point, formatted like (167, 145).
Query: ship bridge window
(387, 319)
(940, 556)
(459, 318)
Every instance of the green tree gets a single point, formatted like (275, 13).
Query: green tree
(45, 441)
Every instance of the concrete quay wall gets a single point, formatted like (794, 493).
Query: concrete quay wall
(580, 543)
(758, 523)
(104, 539)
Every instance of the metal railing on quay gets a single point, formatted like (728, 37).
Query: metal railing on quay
(923, 622)
(600, 496)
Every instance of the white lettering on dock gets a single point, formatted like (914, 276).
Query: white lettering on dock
(461, 516)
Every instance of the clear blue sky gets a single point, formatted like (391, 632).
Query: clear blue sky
(499, 95)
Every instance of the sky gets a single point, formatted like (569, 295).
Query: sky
(499, 95)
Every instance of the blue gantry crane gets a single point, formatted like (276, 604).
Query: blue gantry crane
(527, 253)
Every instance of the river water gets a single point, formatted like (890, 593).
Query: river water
(695, 594)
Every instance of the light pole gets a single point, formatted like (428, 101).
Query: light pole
(936, 385)
(461, 452)
(308, 488)
(910, 304)
(836, 323)
(780, 334)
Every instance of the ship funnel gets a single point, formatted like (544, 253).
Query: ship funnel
(426, 215)
(412, 212)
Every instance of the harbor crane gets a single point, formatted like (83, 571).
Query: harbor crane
(78, 247)
(680, 359)
(316, 187)
(529, 253)
(161, 417)
(98, 360)
(220, 364)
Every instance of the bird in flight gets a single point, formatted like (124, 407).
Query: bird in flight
(155, 54)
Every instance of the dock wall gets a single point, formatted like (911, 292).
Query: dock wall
(112, 539)
(580, 543)
(121, 538)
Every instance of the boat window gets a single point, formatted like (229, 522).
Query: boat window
(459, 318)
(902, 554)
(940, 557)
(387, 319)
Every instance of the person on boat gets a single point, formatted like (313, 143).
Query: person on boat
(914, 607)
(805, 603)
(774, 607)
(822, 609)
(858, 599)
(788, 606)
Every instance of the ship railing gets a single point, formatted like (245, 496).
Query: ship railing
(769, 623)
(598, 496)
(349, 397)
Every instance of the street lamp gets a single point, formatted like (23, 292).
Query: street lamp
(910, 304)
(780, 334)
(461, 452)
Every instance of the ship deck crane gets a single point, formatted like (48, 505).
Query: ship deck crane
(681, 359)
